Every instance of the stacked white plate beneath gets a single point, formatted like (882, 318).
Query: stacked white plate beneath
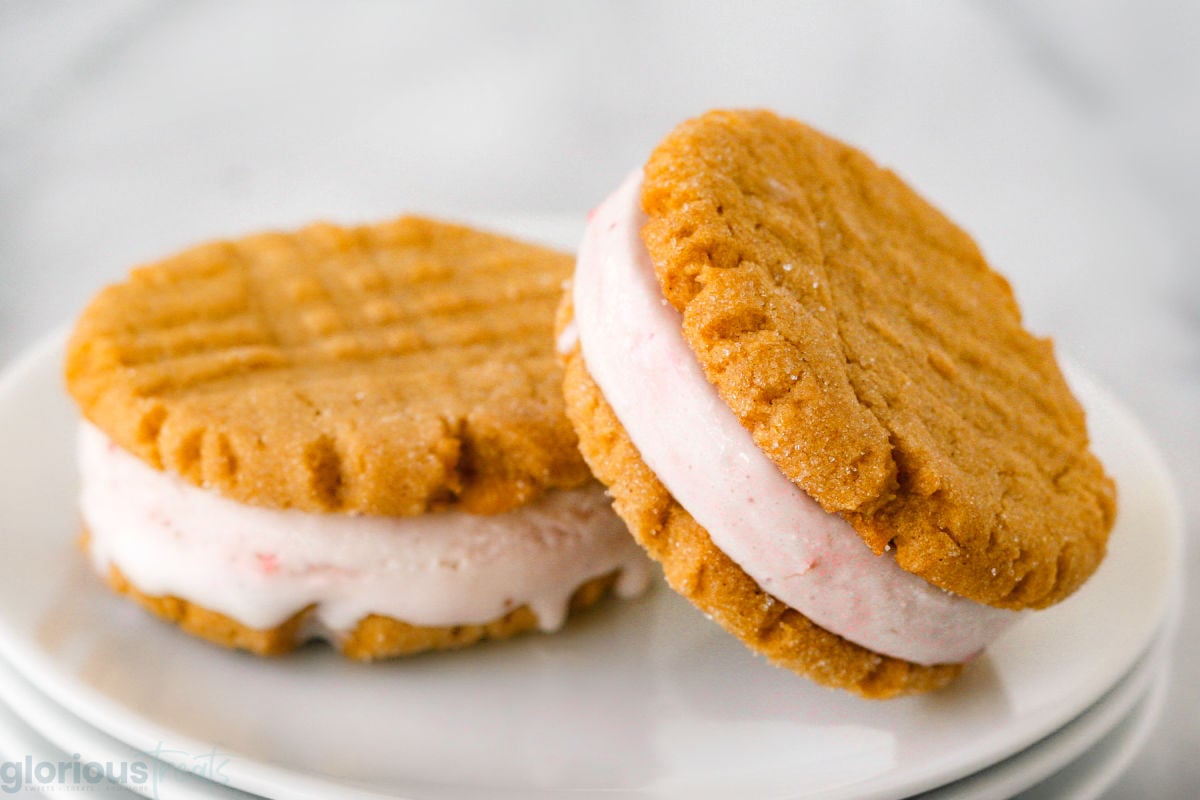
(643, 699)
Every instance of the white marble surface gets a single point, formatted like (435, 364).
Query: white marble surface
(1063, 135)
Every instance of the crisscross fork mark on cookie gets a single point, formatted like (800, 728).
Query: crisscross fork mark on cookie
(389, 369)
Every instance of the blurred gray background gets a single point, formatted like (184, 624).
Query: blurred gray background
(1063, 135)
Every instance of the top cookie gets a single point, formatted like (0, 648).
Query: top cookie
(862, 339)
(386, 369)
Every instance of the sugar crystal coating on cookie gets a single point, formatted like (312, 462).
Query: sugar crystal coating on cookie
(862, 339)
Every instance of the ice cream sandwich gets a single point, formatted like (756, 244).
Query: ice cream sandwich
(815, 404)
(354, 434)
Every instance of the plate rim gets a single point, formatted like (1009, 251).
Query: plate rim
(1030, 766)
(1094, 724)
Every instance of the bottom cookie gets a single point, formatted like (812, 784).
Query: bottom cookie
(373, 638)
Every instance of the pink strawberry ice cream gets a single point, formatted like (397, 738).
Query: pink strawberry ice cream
(260, 566)
(632, 343)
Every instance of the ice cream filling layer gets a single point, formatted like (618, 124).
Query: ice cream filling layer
(260, 566)
(633, 346)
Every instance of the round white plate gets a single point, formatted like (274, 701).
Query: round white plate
(644, 697)
(40, 730)
(37, 730)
